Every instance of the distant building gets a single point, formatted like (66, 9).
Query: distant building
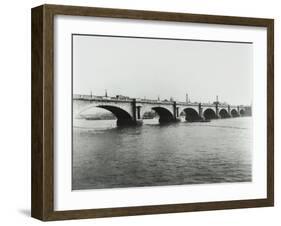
(149, 115)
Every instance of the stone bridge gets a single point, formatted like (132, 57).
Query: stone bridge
(130, 111)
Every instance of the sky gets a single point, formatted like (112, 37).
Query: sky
(152, 68)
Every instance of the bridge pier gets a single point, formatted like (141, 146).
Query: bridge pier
(136, 119)
(229, 111)
(176, 113)
(200, 110)
(217, 110)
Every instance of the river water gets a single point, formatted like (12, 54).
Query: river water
(105, 156)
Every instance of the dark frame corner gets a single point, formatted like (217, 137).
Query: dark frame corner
(42, 203)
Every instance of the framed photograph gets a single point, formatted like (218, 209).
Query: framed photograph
(142, 112)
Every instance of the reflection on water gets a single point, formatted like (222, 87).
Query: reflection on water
(105, 156)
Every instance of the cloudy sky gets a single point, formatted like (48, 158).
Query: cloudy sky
(138, 67)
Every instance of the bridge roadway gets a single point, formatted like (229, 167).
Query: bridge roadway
(130, 111)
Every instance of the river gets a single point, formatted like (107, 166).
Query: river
(105, 156)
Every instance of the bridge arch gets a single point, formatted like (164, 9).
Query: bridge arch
(223, 113)
(191, 115)
(123, 117)
(122, 111)
(242, 112)
(210, 114)
(234, 113)
(164, 114)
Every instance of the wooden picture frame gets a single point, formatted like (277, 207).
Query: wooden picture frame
(42, 204)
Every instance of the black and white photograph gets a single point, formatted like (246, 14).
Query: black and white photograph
(160, 112)
(138, 112)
